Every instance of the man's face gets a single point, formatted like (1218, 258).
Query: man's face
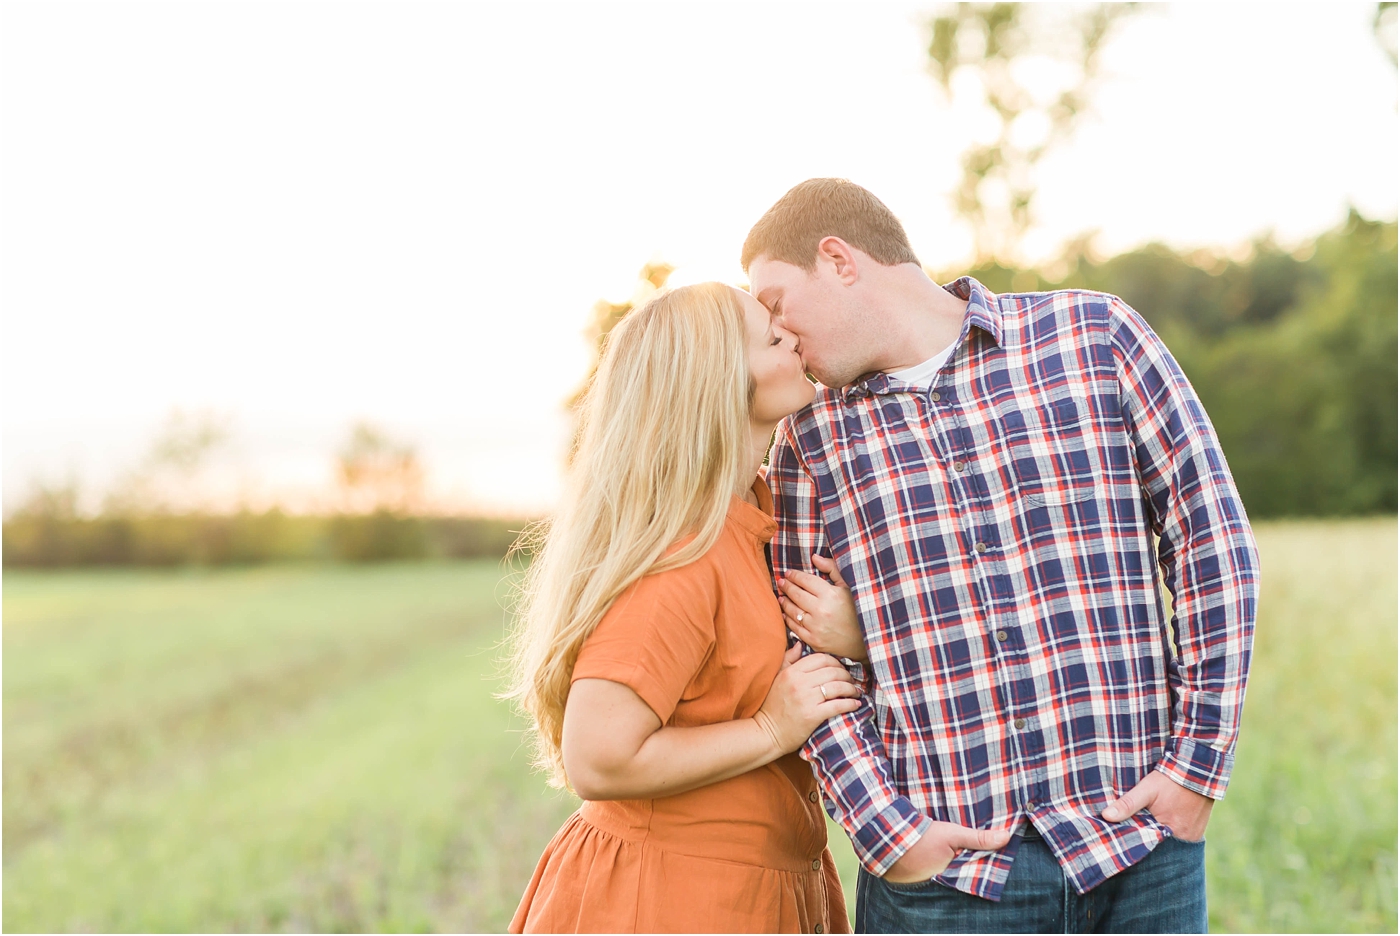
(816, 308)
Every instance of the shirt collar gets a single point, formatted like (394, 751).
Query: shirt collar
(982, 312)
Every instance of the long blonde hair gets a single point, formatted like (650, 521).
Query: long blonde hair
(665, 425)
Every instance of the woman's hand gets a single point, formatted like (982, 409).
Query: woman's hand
(823, 614)
(807, 691)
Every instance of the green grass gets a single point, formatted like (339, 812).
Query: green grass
(1305, 838)
(317, 748)
(296, 748)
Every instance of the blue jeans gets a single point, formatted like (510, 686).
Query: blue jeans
(1163, 893)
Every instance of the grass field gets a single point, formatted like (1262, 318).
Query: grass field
(317, 748)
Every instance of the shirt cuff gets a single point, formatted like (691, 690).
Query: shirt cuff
(860, 673)
(885, 838)
(1198, 767)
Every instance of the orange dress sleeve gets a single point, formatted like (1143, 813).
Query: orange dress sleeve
(656, 636)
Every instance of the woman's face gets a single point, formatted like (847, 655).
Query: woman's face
(780, 381)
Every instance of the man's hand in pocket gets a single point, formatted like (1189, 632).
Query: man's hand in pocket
(1179, 809)
(934, 851)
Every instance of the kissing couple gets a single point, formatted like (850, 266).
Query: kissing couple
(936, 611)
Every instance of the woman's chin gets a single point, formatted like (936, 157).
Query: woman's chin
(804, 397)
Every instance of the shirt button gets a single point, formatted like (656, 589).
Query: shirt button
(816, 864)
(981, 547)
(959, 466)
(935, 396)
(1019, 723)
(1001, 635)
(813, 796)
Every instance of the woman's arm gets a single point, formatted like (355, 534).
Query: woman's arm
(615, 746)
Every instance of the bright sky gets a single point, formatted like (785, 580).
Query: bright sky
(299, 215)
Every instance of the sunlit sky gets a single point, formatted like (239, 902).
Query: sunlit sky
(301, 215)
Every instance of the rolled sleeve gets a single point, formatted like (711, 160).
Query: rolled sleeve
(854, 771)
(1198, 767)
(1207, 553)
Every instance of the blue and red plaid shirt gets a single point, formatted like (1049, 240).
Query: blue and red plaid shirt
(998, 531)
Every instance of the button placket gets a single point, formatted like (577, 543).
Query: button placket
(948, 425)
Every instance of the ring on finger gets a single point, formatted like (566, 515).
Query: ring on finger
(825, 697)
(799, 617)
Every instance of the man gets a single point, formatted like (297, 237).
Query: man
(991, 474)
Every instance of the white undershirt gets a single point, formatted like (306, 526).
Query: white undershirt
(922, 374)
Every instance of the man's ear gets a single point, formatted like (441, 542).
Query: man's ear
(841, 256)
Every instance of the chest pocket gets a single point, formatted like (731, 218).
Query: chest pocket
(1051, 453)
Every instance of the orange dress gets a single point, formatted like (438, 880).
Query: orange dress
(699, 644)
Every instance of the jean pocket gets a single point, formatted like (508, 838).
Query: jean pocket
(913, 887)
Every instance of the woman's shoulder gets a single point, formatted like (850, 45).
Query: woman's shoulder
(699, 578)
(697, 584)
(656, 634)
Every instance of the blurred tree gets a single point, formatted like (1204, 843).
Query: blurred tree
(651, 279)
(1383, 24)
(1033, 80)
(168, 478)
(381, 487)
(59, 501)
(377, 474)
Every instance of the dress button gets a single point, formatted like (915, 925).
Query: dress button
(818, 929)
(813, 796)
(1019, 723)
(816, 864)
(935, 396)
(1001, 635)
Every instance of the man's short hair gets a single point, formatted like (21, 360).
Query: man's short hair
(790, 231)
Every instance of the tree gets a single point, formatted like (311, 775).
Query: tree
(1034, 79)
(168, 478)
(377, 474)
(1383, 25)
(651, 279)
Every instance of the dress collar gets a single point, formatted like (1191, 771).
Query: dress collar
(757, 521)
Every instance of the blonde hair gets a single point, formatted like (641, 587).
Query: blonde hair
(663, 444)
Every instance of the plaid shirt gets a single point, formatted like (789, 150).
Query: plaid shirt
(997, 531)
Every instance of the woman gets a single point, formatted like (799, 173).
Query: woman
(651, 651)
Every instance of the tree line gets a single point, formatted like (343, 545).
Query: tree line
(154, 514)
(1293, 353)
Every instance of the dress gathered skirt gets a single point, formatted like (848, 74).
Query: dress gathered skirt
(700, 644)
(593, 881)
